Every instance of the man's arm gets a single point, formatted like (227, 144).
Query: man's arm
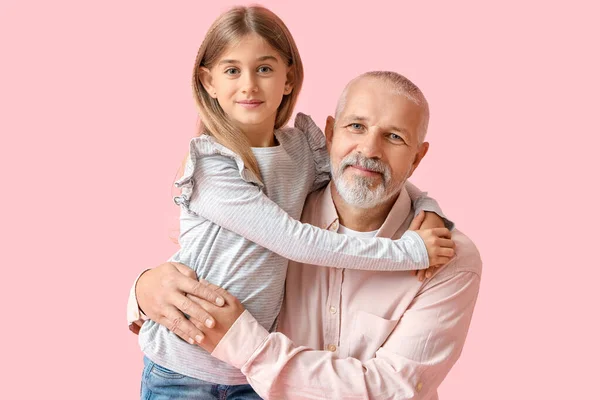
(411, 364)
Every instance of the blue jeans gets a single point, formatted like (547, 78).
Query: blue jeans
(159, 383)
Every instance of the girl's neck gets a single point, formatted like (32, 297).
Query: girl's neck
(261, 139)
(260, 135)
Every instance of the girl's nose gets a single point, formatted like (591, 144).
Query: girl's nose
(249, 83)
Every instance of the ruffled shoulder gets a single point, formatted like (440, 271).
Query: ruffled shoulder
(202, 146)
(318, 147)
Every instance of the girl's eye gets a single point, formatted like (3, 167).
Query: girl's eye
(264, 69)
(231, 71)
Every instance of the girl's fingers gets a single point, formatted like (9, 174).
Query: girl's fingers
(417, 221)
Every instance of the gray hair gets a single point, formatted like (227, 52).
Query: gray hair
(399, 85)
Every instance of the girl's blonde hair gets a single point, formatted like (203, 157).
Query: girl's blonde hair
(230, 28)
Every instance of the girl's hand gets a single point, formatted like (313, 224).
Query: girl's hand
(437, 238)
(162, 292)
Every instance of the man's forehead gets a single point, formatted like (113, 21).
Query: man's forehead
(366, 92)
(376, 104)
(371, 103)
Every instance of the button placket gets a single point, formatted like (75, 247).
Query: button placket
(331, 314)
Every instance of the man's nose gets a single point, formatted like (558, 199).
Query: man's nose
(249, 83)
(370, 145)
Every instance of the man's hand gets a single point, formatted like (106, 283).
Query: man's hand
(162, 295)
(225, 317)
(437, 238)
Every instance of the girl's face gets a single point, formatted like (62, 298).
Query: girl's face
(249, 81)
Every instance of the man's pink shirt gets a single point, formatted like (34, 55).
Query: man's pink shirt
(351, 334)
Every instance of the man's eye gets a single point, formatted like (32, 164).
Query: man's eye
(395, 137)
(264, 69)
(356, 126)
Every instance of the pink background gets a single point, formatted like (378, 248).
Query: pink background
(96, 112)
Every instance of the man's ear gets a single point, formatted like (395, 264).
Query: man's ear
(289, 81)
(423, 148)
(329, 125)
(207, 81)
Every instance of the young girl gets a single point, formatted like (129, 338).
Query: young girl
(243, 191)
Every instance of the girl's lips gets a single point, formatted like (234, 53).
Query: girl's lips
(250, 103)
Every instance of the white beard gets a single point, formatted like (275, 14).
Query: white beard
(358, 191)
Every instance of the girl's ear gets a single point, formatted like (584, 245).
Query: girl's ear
(289, 81)
(207, 81)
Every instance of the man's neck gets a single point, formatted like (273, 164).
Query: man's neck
(361, 219)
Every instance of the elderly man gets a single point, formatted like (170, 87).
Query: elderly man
(351, 334)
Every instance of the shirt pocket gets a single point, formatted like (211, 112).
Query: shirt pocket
(369, 332)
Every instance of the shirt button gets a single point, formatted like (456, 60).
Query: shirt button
(332, 309)
(331, 347)
(419, 386)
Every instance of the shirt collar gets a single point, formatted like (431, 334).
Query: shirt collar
(328, 217)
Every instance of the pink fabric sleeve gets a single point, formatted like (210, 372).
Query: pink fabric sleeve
(411, 364)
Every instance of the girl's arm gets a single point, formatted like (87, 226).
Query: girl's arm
(230, 201)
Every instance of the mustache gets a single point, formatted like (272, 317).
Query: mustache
(357, 159)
